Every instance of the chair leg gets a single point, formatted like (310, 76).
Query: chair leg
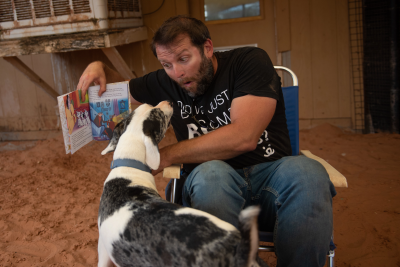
(173, 188)
(331, 257)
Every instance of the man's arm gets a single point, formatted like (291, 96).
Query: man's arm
(99, 73)
(250, 115)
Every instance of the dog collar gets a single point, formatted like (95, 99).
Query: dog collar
(130, 163)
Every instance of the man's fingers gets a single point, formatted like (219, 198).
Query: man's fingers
(102, 87)
(83, 89)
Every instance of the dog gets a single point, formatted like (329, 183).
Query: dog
(139, 228)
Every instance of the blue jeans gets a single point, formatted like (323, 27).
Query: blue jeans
(295, 195)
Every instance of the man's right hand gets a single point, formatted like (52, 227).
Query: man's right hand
(94, 73)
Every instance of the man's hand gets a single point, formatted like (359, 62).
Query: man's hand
(94, 73)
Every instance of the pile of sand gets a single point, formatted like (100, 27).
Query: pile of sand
(49, 200)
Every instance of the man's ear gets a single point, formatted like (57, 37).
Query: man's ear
(208, 48)
(152, 153)
(118, 131)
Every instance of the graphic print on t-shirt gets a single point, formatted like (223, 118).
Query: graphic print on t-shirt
(216, 114)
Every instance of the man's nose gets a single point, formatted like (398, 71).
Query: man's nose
(179, 72)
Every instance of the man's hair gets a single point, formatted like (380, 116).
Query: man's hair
(175, 26)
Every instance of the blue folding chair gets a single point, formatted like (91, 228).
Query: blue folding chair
(291, 98)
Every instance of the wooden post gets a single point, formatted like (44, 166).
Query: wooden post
(24, 69)
(118, 62)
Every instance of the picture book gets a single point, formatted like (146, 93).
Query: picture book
(94, 118)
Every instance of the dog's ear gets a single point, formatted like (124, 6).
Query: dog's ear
(118, 131)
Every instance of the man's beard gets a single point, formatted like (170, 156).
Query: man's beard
(203, 78)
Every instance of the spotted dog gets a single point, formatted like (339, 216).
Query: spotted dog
(138, 228)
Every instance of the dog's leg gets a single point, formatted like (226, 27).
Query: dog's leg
(104, 258)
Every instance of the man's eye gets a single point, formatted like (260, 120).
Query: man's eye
(165, 65)
(183, 59)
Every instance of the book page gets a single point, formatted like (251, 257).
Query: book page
(109, 109)
(76, 115)
(64, 127)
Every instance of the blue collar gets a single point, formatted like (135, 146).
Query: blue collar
(130, 163)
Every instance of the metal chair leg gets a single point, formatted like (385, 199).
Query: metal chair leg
(331, 256)
(173, 188)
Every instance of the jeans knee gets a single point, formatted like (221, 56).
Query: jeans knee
(210, 173)
(212, 181)
(308, 178)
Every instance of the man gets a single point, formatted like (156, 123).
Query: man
(229, 119)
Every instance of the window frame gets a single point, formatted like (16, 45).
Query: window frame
(223, 21)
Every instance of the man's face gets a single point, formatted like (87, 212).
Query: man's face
(187, 66)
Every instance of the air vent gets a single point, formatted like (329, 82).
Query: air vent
(42, 8)
(23, 8)
(6, 11)
(61, 7)
(123, 5)
(81, 6)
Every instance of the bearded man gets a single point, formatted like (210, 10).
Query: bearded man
(229, 119)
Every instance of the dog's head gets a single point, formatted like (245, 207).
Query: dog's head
(147, 124)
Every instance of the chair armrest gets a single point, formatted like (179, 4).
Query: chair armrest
(173, 171)
(336, 177)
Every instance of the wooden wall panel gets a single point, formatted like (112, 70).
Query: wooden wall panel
(28, 98)
(283, 25)
(182, 7)
(46, 105)
(324, 59)
(343, 63)
(10, 108)
(301, 54)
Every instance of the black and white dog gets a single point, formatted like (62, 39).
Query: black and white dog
(138, 228)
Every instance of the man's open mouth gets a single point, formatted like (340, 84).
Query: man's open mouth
(187, 83)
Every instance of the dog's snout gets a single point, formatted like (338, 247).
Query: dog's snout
(171, 104)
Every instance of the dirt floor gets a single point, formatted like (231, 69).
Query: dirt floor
(49, 200)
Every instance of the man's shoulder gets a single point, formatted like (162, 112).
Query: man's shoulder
(241, 51)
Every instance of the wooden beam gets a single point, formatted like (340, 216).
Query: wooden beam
(71, 42)
(119, 63)
(31, 75)
(126, 37)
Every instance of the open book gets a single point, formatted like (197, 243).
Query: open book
(96, 117)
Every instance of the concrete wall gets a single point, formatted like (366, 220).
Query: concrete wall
(309, 36)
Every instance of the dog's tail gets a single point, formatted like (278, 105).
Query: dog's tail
(248, 247)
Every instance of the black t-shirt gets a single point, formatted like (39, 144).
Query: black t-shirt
(240, 72)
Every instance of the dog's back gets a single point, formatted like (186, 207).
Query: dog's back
(160, 233)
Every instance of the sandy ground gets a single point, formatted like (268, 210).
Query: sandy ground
(49, 200)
